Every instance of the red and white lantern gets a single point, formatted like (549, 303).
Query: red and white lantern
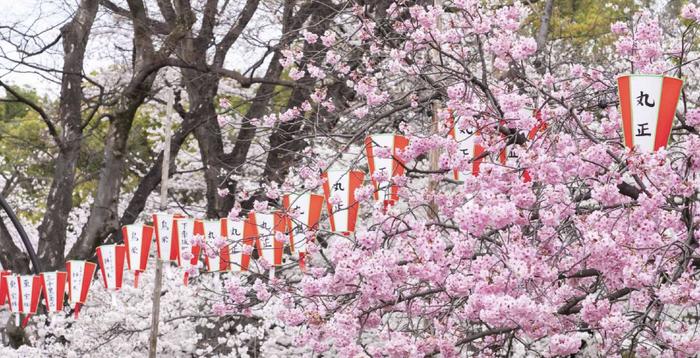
(188, 250)
(30, 294)
(80, 275)
(3, 287)
(262, 228)
(30, 289)
(111, 260)
(382, 150)
(307, 210)
(465, 136)
(166, 231)
(339, 189)
(216, 254)
(541, 126)
(510, 158)
(137, 240)
(14, 293)
(235, 230)
(648, 107)
(54, 285)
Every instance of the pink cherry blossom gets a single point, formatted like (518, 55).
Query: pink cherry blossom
(309, 36)
(260, 206)
(619, 28)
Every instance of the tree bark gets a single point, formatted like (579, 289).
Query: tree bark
(542, 34)
(543, 31)
(103, 213)
(16, 334)
(17, 261)
(202, 92)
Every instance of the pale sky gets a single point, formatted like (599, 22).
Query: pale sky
(36, 16)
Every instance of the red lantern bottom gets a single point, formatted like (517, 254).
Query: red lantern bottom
(25, 321)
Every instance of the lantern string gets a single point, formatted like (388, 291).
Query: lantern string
(302, 255)
(114, 298)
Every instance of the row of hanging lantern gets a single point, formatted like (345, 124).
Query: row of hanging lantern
(647, 105)
(384, 162)
(182, 240)
(647, 121)
(466, 138)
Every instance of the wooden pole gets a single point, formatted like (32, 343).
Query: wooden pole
(434, 154)
(158, 285)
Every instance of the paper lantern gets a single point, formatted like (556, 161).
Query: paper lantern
(14, 295)
(188, 253)
(30, 294)
(111, 260)
(510, 158)
(54, 285)
(215, 236)
(391, 165)
(261, 228)
(188, 250)
(137, 240)
(80, 275)
(23, 295)
(3, 287)
(341, 184)
(648, 107)
(235, 230)
(308, 208)
(165, 226)
(30, 288)
(541, 126)
(465, 136)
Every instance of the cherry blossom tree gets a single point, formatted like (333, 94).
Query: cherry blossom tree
(566, 242)
(573, 244)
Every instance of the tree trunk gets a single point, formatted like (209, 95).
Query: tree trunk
(284, 143)
(59, 202)
(202, 92)
(236, 158)
(103, 218)
(17, 261)
(11, 256)
(52, 230)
